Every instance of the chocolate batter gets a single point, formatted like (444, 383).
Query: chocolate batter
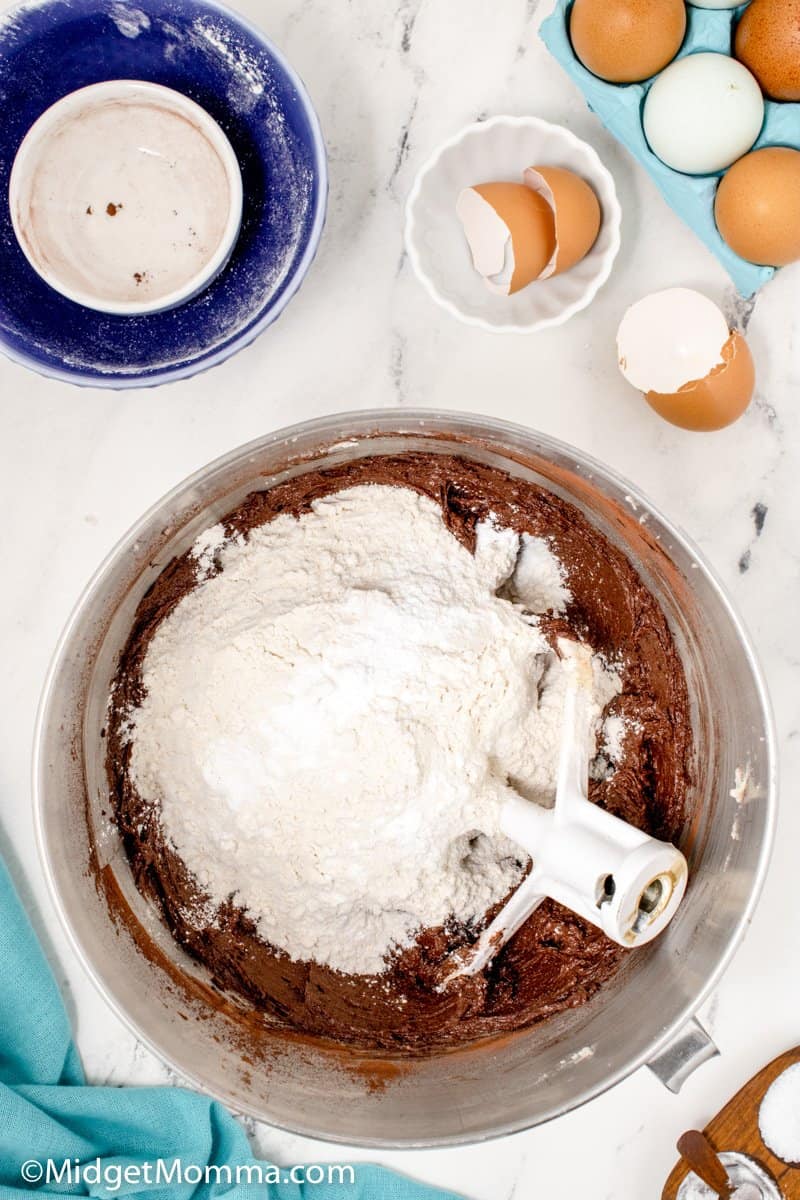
(556, 961)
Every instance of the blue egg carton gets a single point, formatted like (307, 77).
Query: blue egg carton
(619, 107)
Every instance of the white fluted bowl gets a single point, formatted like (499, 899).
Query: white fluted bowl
(501, 149)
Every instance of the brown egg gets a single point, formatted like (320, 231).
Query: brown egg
(715, 401)
(758, 206)
(768, 42)
(529, 224)
(577, 213)
(625, 41)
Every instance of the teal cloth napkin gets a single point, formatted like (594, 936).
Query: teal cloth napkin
(47, 1111)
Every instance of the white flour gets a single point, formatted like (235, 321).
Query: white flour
(333, 721)
(206, 548)
(538, 581)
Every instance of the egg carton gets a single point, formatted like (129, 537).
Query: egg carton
(619, 107)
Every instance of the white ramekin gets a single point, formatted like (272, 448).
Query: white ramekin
(489, 151)
(34, 148)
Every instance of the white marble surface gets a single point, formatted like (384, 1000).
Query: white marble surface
(391, 79)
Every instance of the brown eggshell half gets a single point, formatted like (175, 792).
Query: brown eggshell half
(716, 401)
(576, 208)
(529, 220)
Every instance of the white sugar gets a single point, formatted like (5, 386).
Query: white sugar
(779, 1116)
(749, 1179)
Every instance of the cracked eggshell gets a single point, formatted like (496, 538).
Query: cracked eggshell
(670, 337)
(576, 210)
(510, 230)
(675, 347)
(705, 405)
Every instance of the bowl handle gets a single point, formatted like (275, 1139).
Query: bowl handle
(687, 1050)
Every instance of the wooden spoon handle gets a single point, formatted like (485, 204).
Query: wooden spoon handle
(701, 1156)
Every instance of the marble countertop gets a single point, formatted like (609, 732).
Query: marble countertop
(391, 80)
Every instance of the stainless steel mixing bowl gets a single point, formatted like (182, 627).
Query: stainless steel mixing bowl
(643, 1016)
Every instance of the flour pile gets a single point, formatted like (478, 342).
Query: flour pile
(334, 717)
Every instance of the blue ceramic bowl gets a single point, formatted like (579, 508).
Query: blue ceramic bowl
(198, 47)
